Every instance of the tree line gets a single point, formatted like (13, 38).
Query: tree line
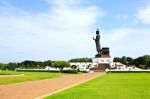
(85, 59)
(140, 62)
(25, 64)
(29, 64)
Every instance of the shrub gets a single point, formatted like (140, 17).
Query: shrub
(70, 71)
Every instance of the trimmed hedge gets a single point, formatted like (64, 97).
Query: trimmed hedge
(70, 71)
(37, 71)
(128, 72)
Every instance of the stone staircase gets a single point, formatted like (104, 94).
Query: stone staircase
(99, 68)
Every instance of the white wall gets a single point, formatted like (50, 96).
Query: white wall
(102, 60)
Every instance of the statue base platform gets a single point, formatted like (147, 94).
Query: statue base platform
(102, 56)
(102, 60)
(101, 63)
(97, 55)
(104, 53)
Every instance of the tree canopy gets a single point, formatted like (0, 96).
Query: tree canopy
(141, 61)
(81, 60)
(27, 64)
(60, 65)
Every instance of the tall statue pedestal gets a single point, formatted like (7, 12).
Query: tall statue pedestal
(101, 63)
(102, 60)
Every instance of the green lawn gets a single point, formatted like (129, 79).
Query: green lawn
(28, 76)
(110, 86)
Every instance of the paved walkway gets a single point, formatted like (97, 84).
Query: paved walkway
(41, 88)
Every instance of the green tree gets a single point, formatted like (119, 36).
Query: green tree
(139, 62)
(60, 65)
(81, 60)
(28, 64)
(124, 60)
(3, 66)
(11, 66)
(39, 64)
(130, 61)
(117, 59)
(47, 63)
(147, 61)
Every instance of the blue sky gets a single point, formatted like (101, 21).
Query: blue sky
(63, 29)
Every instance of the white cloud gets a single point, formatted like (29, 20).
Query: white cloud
(62, 32)
(143, 15)
(65, 31)
(127, 41)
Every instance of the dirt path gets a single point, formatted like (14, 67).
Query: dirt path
(8, 76)
(41, 88)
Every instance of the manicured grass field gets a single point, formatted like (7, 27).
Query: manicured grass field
(28, 76)
(110, 86)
